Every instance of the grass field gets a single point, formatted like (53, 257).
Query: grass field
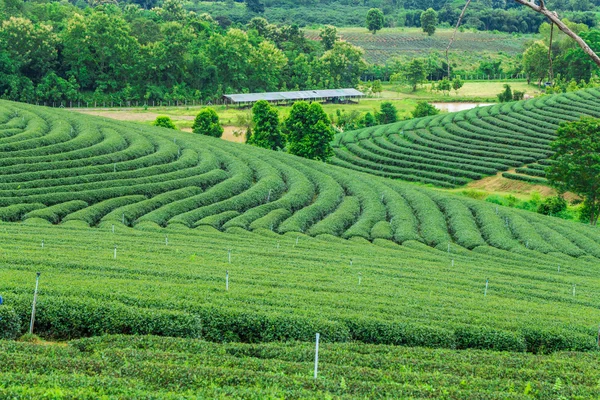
(234, 119)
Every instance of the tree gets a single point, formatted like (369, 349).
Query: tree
(535, 61)
(506, 95)
(376, 86)
(388, 113)
(340, 66)
(444, 85)
(266, 133)
(374, 20)
(207, 123)
(424, 109)
(576, 166)
(309, 132)
(328, 36)
(429, 21)
(369, 120)
(415, 72)
(255, 6)
(457, 84)
(164, 122)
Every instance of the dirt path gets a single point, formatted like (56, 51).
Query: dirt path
(498, 183)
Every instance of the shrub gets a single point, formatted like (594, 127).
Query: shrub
(424, 109)
(207, 123)
(164, 122)
(10, 323)
(553, 206)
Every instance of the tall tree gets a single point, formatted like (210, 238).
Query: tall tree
(415, 73)
(340, 66)
(429, 21)
(207, 123)
(266, 132)
(374, 20)
(535, 61)
(329, 36)
(309, 132)
(576, 165)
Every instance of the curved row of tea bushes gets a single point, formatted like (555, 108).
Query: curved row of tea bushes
(154, 177)
(451, 149)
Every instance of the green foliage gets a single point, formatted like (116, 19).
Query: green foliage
(553, 206)
(535, 61)
(266, 133)
(255, 6)
(10, 323)
(506, 95)
(458, 83)
(424, 109)
(207, 123)
(388, 113)
(429, 21)
(444, 85)
(415, 73)
(329, 36)
(308, 131)
(164, 122)
(576, 166)
(369, 120)
(375, 20)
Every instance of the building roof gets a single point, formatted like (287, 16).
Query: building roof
(299, 95)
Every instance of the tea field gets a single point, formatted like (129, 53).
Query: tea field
(138, 230)
(449, 150)
(127, 367)
(468, 49)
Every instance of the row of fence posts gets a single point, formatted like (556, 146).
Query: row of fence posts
(317, 338)
(127, 104)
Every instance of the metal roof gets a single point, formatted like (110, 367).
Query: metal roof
(300, 95)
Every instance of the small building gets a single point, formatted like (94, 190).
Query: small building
(285, 98)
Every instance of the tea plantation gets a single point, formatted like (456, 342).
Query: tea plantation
(143, 231)
(449, 150)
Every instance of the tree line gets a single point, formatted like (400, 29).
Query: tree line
(57, 52)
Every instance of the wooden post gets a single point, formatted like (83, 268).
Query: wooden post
(226, 280)
(487, 281)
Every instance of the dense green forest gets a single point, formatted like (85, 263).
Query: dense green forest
(54, 52)
(122, 53)
(501, 15)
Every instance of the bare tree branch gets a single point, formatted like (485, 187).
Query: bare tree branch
(553, 17)
(462, 14)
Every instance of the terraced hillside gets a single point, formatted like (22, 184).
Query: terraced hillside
(58, 167)
(145, 231)
(450, 150)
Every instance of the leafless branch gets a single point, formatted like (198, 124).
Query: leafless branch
(462, 14)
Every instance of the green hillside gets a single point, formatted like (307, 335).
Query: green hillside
(449, 150)
(60, 167)
(145, 231)
(468, 50)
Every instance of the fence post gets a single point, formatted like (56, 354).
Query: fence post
(35, 293)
